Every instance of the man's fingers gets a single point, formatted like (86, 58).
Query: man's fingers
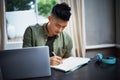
(55, 60)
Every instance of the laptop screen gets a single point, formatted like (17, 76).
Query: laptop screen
(25, 63)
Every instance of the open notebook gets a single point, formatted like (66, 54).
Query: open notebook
(71, 63)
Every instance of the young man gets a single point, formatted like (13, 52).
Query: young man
(52, 34)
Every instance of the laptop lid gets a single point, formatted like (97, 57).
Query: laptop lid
(25, 63)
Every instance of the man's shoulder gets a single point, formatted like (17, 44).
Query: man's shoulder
(65, 34)
(35, 26)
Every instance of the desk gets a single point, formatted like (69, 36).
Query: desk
(91, 71)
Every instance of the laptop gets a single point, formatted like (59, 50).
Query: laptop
(25, 63)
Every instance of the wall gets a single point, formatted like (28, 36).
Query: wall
(118, 25)
(100, 26)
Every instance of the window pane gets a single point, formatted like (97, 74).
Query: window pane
(19, 15)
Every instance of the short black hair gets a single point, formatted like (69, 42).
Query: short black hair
(62, 11)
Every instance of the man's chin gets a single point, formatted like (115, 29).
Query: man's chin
(55, 34)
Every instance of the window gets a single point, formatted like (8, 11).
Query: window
(22, 13)
(19, 15)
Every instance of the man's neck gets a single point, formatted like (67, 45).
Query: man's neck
(49, 34)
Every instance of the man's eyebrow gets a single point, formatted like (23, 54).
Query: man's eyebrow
(61, 25)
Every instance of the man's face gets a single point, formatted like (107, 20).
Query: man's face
(56, 26)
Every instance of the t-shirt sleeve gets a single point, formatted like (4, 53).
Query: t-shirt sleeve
(27, 37)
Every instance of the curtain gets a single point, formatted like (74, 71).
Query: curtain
(76, 26)
(2, 11)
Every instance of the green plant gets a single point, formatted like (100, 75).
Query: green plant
(44, 7)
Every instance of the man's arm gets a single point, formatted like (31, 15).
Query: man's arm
(68, 45)
(27, 38)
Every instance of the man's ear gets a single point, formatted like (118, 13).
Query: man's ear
(49, 18)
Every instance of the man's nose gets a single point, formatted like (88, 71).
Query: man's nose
(60, 29)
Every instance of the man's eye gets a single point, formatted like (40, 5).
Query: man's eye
(58, 25)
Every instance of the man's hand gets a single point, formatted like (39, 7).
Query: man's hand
(55, 60)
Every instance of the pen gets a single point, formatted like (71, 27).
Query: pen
(54, 53)
(59, 58)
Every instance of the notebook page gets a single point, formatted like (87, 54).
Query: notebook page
(71, 63)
